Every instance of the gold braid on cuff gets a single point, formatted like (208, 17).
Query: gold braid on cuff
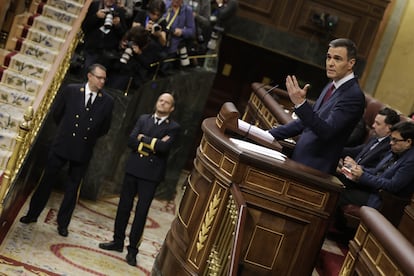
(144, 147)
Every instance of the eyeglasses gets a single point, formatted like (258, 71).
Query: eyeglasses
(396, 140)
(98, 77)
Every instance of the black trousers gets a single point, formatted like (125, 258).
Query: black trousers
(146, 191)
(40, 197)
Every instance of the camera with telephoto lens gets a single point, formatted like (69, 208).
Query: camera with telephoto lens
(184, 60)
(109, 18)
(156, 28)
(212, 43)
(127, 54)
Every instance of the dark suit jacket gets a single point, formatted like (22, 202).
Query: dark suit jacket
(153, 166)
(94, 38)
(78, 129)
(366, 157)
(324, 129)
(397, 179)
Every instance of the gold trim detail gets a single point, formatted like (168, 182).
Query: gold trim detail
(208, 221)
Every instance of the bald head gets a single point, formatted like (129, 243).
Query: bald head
(164, 105)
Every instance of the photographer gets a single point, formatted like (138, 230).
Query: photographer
(202, 14)
(221, 12)
(152, 20)
(130, 69)
(180, 26)
(104, 27)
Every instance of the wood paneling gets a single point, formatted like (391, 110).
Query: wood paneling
(357, 20)
(287, 211)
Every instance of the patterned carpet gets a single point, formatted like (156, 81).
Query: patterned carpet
(37, 249)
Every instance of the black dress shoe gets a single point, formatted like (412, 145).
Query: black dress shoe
(112, 246)
(27, 219)
(63, 231)
(131, 259)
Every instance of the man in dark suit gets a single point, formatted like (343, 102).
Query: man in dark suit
(395, 172)
(370, 154)
(325, 127)
(150, 142)
(83, 113)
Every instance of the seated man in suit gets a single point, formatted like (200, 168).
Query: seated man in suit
(368, 155)
(395, 172)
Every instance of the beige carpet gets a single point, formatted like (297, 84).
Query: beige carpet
(37, 249)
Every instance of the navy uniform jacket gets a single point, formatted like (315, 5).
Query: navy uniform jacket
(397, 179)
(78, 129)
(150, 161)
(324, 129)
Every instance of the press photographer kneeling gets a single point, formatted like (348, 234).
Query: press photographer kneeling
(129, 70)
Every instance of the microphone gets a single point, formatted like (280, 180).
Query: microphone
(256, 110)
(269, 90)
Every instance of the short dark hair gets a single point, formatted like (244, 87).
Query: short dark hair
(405, 128)
(391, 116)
(139, 35)
(157, 6)
(92, 67)
(348, 44)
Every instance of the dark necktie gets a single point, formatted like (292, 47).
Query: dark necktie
(157, 120)
(89, 103)
(366, 150)
(328, 93)
(374, 144)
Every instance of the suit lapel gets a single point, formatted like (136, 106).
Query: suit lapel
(366, 151)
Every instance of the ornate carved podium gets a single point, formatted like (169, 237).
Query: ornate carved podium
(244, 212)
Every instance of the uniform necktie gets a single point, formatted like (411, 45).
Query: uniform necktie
(328, 93)
(157, 120)
(89, 103)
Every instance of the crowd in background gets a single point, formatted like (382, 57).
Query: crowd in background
(137, 40)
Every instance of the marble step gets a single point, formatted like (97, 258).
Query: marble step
(11, 117)
(24, 64)
(70, 7)
(28, 66)
(80, 2)
(7, 139)
(51, 26)
(58, 14)
(12, 96)
(32, 49)
(21, 82)
(43, 39)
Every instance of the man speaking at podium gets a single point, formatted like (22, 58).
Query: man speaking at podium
(325, 127)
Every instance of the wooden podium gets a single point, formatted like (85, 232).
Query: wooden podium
(246, 213)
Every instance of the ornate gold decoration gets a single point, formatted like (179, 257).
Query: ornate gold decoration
(213, 262)
(347, 265)
(208, 221)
